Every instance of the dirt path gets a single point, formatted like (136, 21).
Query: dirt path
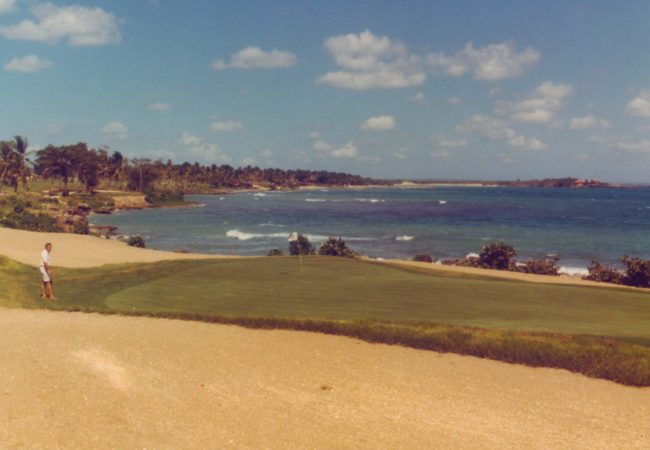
(89, 381)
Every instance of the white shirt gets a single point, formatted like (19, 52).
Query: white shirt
(45, 258)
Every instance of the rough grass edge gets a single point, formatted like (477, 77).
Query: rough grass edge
(621, 362)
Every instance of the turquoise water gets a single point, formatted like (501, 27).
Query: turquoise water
(578, 225)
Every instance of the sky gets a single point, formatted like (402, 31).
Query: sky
(418, 89)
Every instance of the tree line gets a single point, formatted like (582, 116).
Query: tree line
(92, 167)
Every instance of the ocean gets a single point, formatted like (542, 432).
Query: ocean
(577, 225)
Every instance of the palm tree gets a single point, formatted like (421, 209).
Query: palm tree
(56, 162)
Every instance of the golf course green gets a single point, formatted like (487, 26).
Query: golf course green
(353, 295)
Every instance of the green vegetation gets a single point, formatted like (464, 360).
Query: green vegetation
(136, 241)
(636, 273)
(336, 247)
(601, 332)
(301, 246)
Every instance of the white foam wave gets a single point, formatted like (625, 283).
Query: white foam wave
(315, 200)
(370, 200)
(442, 202)
(573, 271)
(471, 255)
(259, 194)
(243, 236)
(270, 224)
(404, 237)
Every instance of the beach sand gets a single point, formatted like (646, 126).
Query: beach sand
(74, 250)
(74, 380)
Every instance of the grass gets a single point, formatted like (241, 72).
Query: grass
(600, 332)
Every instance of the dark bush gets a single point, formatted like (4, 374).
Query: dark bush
(336, 247)
(423, 258)
(544, 266)
(162, 197)
(301, 246)
(497, 255)
(599, 272)
(81, 227)
(24, 220)
(637, 272)
(275, 252)
(136, 241)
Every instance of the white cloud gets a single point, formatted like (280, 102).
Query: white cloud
(493, 62)
(541, 106)
(314, 135)
(79, 25)
(266, 153)
(441, 140)
(190, 140)
(28, 64)
(622, 143)
(349, 150)
(379, 123)
(159, 107)
(453, 101)
(7, 5)
(255, 58)
(196, 148)
(371, 62)
(498, 129)
(419, 99)
(402, 154)
(248, 161)
(640, 105)
(589, 121)
(116, 130)
(322, 146)
(226, 125)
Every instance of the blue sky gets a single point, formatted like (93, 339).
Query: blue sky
(420, 89)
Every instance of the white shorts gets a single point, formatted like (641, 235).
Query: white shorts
(45, 276)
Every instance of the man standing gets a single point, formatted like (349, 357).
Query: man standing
(46, 273)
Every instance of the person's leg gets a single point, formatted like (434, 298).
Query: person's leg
(43, 289)
(51, 291)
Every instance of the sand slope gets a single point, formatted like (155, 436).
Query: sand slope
(73, 250)
(89, 381)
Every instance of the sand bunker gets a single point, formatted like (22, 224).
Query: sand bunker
(74, 250)
(78, 380)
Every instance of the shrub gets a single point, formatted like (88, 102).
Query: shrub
(637, 272)
(599, 272)
(336, 247)
(423, 258)
(24, 220)
(275, 252)
(136, 241)
(162, 197)
(81, 227)
(497, 255)
(301, 246)
(544, 266)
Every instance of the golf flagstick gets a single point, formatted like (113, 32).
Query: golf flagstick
(294, 237)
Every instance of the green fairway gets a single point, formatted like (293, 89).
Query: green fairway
(597, 331)
(337, 289)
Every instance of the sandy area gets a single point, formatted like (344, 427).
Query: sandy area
(73, 380)
(74, 250)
